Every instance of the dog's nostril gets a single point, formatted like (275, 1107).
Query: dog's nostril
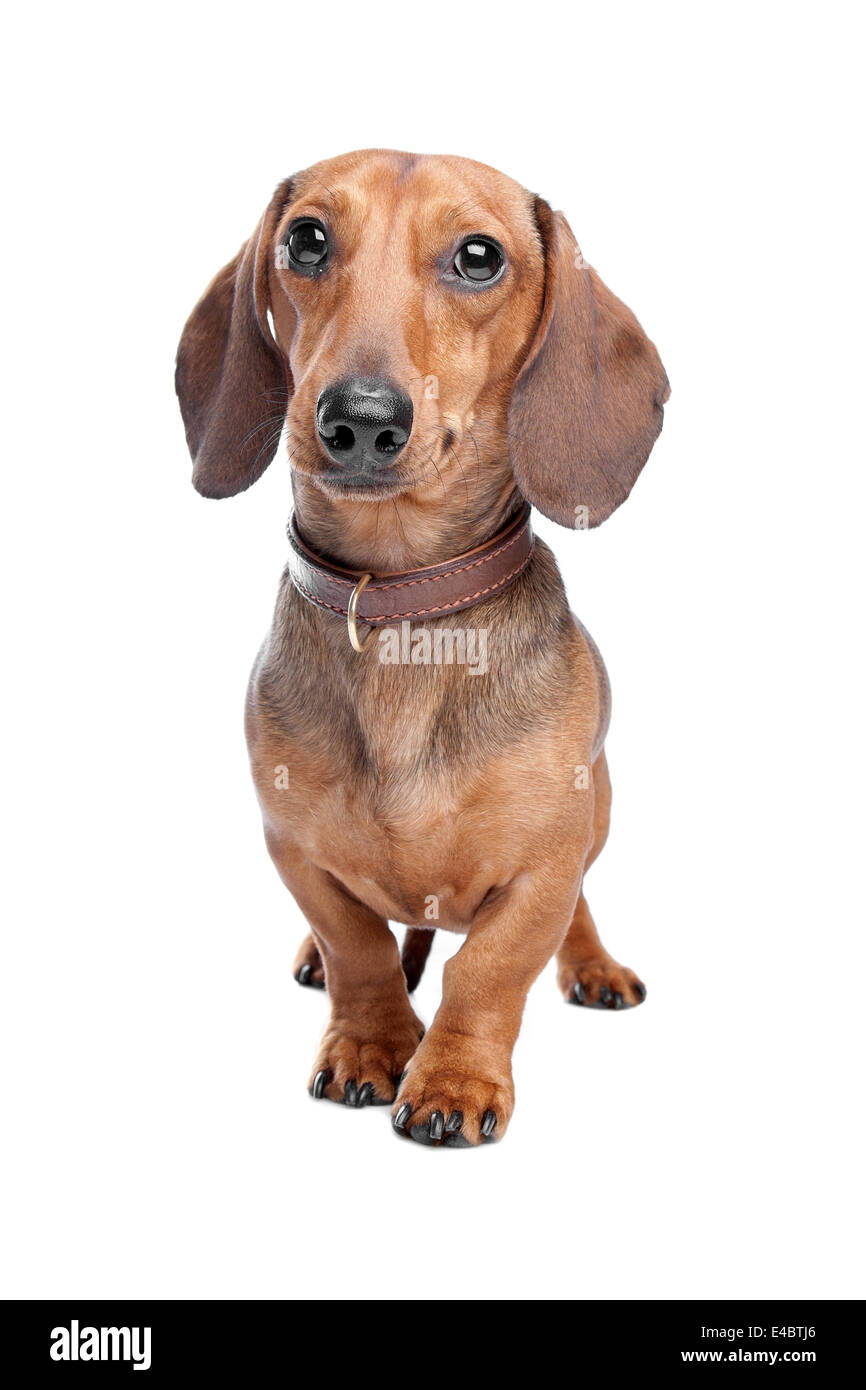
(389, 443)
(342, 439)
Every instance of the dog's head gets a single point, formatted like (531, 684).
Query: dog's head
(409, 317)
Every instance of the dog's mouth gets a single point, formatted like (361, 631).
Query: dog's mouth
(364, 480)
(368, 485)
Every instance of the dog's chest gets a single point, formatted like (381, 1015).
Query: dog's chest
(418, 848)
(420, 798)
(411, 779)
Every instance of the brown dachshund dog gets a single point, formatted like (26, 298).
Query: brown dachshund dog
(439, 355)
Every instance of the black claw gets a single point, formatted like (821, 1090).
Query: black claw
(618, 1001)
(454, 1122)
(605, 995)
(398, 1080)
(399, 1120)
(579, 993)
(437, 1124)
(350, 1095)
(303, 975)
(640, 991)
(319, 1084)
(365, 1095)
(488, 1124)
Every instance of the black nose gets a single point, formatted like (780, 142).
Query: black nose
(363, 422)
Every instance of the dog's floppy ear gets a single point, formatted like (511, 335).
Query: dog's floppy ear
(586, 408)
(232, 381)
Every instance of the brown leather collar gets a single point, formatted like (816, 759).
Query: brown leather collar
(424, 593)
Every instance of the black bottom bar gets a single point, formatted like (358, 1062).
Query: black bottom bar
(245, 1341)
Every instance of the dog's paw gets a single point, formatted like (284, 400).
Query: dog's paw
(358, 1068)
(600, 982)
(444, 1103)
(308, 969)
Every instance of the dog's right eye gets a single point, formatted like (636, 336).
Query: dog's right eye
(307, 246)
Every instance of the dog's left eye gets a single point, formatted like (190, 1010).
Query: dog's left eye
(307, 245)
(479, 261)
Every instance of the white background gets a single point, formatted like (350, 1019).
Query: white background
(158, 1137)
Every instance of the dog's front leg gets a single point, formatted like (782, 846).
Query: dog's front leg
(373, 1029)
(458, 1089)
